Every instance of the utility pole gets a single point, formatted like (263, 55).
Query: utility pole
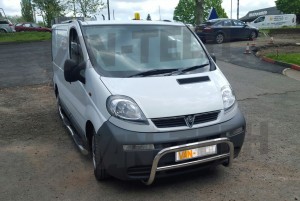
(108, 10)
(74, 8)
(231, 11)
(159, 12)
(238, 9)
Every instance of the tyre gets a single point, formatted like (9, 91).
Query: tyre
(252, 35)
(219, 38)
(3, 31)
(99, 170)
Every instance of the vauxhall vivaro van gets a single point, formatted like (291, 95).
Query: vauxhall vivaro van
(274, 21)
(144, 98)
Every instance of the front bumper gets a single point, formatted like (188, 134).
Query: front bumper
(149, 164)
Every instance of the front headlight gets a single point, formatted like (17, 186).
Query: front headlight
(228, 97)
(125, 108)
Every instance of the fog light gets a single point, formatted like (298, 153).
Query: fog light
(235, 132)
(138, 147)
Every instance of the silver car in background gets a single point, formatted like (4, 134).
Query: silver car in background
(6, 26)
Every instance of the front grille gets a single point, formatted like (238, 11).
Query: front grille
(180, 120)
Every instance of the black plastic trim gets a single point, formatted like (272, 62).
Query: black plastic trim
(117, 162)
(193, 80)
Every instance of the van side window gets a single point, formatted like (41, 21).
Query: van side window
(75, 47)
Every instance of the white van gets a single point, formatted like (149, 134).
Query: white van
(274, 21)
(145, 98)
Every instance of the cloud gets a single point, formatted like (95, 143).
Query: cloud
(11, 7)
(124, 9)
(245, 6)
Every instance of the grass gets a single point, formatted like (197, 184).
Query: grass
(25, 37)
(269, 30)
(291, 58)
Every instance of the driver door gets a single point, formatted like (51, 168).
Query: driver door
(75, 93)
(239, 30)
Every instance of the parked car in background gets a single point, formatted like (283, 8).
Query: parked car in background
(220, 30)
(274, 21)
(30, 26)
(6, 26)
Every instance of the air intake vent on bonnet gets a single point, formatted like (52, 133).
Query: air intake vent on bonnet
(193, 80)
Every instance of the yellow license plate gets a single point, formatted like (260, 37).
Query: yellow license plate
(195, 153)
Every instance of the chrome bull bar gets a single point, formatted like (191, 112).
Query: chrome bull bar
(194, 145)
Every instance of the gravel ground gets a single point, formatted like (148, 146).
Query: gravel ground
(39, 160)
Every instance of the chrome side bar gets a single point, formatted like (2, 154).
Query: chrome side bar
(194, 145)
(71, 131)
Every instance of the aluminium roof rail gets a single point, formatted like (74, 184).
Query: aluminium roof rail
(68, 21)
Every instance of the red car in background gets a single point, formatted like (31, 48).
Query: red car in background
(30, 26)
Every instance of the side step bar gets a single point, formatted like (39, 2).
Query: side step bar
(194, 145)
(72, 132)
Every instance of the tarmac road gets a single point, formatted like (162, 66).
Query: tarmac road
(39, 161)
(233, 52)
(25, 63)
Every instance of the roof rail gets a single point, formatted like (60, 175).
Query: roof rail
(67, 21)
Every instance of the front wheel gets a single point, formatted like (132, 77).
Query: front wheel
(253, 35)
(3, 31)
(99, 170)
(219, 38)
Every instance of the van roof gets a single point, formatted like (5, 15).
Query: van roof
(131, 22)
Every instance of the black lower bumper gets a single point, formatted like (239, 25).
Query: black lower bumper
(137, 164)
(206, 36)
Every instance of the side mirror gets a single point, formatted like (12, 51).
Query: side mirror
(72, 71)
(213, 56)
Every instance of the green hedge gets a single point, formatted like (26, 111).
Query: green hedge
(25, 36)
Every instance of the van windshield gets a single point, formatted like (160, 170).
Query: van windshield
(125, 50)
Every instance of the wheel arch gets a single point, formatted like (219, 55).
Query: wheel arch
(56, 90)
(220, 32)
(3, 30)
(89, 127)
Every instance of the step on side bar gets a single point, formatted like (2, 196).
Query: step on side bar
(194, 145)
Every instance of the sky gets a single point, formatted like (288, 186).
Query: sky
(125, 9)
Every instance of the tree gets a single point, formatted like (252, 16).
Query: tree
(184, 11)
(16, 19)
(148, 17)
(289, 7)
(27, 10)
(49, 9)
(196, 11)
(85, 7)
(217, 4)
(199, 11)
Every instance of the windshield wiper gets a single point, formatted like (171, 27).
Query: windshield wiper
(153, 72)
(183, 70)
